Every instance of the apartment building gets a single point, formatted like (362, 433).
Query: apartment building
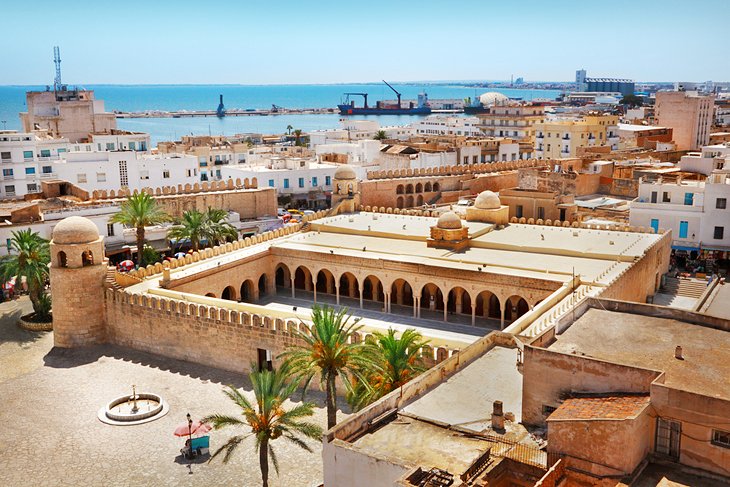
(560, 138)
(514, 121)
(354, 130)
(689, 114)
(445, 125)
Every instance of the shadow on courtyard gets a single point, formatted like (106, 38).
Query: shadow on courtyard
(10, 332)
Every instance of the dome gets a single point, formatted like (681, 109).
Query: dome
(487, 200)
(345, 172)
(493, 98)
(449, 221)
(75, 230)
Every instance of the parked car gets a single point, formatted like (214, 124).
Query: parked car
(308, 212)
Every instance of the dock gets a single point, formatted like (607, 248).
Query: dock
(229, 113)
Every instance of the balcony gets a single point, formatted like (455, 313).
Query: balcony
(48, 175)
(540, 136)
(44, 158)
(26, 159)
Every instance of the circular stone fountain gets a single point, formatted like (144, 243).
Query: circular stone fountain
(135, 409)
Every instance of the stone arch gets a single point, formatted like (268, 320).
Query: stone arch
(325, 282)
(432, 298)
(282, 275)
(419, 200)
(401, 292)
(399, 202)
(210, 295)
(349, 285)
(436, 187)
(229, 293)
(409, 201)
(409, 188)
(372, 289)
(459, 301)
(515, 307)
(419, 188)
(87, 258)
(399, 189)
(263, 285)
(487, 305)
(427, 187)
(247, 292)
(303, 278)
(62, 261)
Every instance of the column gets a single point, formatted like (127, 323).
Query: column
(360, 286)
(292, 287)
(501, 309)
(337, 293)
(314, 287)
(446, 308)
(415, 307)
(474, 313)
(459, 295)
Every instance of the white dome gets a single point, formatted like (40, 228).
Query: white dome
(493, 98)
(449, 221)
(487, 200)
(345, 172)
(75, 230)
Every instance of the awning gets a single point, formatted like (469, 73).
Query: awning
(721, 248)
(685, 247)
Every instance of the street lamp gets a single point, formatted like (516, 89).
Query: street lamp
(190, 429)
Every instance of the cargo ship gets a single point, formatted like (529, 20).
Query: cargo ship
(348, 106)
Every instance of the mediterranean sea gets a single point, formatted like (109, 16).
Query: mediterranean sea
(137, 98)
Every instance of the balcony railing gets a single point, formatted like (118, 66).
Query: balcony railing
(48, 175)
(27, 159)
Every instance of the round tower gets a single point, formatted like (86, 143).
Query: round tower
(77, 283)
(346, 190)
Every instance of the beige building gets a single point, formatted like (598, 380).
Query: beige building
(689, 115)
(68, 113)
(562, 137)
(513, 121)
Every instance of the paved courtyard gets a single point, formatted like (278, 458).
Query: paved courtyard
(51, 436)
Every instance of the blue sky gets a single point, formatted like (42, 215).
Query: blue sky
(323, 41)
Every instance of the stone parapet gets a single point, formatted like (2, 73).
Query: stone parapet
(458, 169)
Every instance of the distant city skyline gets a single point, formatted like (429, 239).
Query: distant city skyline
(328, 42)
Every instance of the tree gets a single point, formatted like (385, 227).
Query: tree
(327, 351)
(217, 229)
(138, 211)
(298, 137)
(380, 135)
(631, 100)
(268, 420)
(397, 360)
(289, 128)
(196, 226)
(29, 256)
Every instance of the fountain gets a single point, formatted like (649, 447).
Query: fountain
(135, 409)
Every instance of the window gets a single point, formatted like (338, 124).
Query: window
(301, 182)
(32, 188)
(6, 155)
(46, 153)
(721, 438)
(61, 150)
(123, 175)
(655, 224)
(10, 190)
(653, 196)
(8, 173)
(271, 183)
(110, 229)
(166, 174)
(191, 172)
(110, 146)
(314, 181)
(286, 183)
(29, 170)
(721, 203)
(264, 359)
(518, 211)
(327, 181)
(27, 154)
(132, 146)
(719, 233)
(688, 198)
(683, 229)
(144, 174)
(666, 198)
(46, 169)
(100, 177)
(81, 178)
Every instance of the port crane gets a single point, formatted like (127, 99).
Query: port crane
(394, 90)
(364, 95)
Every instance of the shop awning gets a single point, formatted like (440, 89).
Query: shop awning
(685, 247)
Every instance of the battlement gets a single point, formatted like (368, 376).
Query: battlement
(458, 169)
(205, 187)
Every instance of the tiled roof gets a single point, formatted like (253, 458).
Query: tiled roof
(610, 407)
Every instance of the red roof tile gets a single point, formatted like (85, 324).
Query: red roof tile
(611, 407)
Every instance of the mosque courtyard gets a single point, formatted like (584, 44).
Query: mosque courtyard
(52, 437)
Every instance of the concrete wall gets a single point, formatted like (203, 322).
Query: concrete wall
(548, 376)
(349, 466)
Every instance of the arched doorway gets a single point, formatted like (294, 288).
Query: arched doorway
(459, 301)
(303, 279)
(401, 294)
(399, 202)
(432, 298)
(436, 187)
(247, 295)
(399, 189)
(409, 201)
(263, 281)
(516, 307)
(325, 282)
(282, 276)
(372, 289)
(488, 305)
(409, 189)
(419, 188)
(349, 286)
(229, 293)
(419, 200)
(427, 187)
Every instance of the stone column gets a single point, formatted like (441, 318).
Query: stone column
(292, 287)
(501, 322)
(474, 313)
(337, 293)
(314, 287)
(360, 286)
(446, 308)
(459, 297)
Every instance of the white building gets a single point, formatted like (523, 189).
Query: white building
(305, 181)
(711, 158)
(447, 125)
(354, 130)
(363, 153)
(697, 212)
(28, 157)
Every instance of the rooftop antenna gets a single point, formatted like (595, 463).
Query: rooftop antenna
(57, 62)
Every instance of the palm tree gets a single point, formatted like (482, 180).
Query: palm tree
(268, 419)
(326, 351)
(190, 227)
(289, 129)
(397, 362)
(29, 256)
(298, 137)
(217, 229)
(138, 211)
(380, 135)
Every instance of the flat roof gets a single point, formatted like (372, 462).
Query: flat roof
(608, 407)
(649, 342)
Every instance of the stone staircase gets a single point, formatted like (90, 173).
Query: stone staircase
(689, 288)
(110, 280)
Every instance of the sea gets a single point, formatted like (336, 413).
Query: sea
(138, 98)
